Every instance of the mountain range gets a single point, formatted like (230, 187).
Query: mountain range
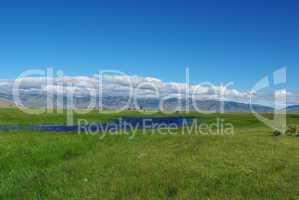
(293, 109)
(118, 102)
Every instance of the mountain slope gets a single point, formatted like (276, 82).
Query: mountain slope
(4, 103)
(293, 108)
(118, 102)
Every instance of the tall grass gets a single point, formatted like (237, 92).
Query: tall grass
(251, 164)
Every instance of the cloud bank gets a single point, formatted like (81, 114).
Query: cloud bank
(133, 86)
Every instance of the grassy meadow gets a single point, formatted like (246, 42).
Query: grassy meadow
(251, 164)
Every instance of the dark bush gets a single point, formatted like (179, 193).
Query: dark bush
(277, 133)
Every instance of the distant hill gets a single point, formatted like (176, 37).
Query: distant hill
(4, 103)
(172, 104)
(210, 106)
(117, 102)
(293, 108)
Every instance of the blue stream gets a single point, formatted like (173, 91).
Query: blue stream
(122, 123)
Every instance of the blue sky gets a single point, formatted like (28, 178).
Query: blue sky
(220, 41)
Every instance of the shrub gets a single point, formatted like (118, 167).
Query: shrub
(292, 131)
(277, 133)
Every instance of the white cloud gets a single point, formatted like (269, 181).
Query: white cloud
(122, 85)
(282, 93)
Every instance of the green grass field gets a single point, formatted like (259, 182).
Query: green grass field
(251, 164)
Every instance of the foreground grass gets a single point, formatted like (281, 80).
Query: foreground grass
(251, 164)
